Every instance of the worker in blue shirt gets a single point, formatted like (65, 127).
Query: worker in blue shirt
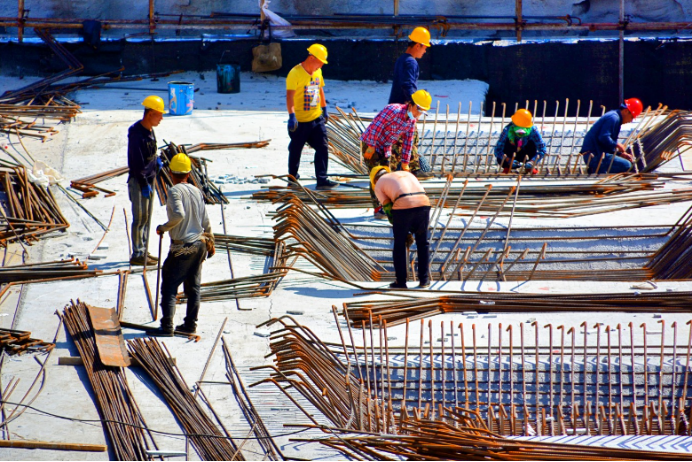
(601, 151)
(404, 85)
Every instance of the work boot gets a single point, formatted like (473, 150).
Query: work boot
(139, 260)
(185, 329)
(397, 285)
(151, 257)
(423, 285)
(161, 332)
(421, 174)
(328, 184)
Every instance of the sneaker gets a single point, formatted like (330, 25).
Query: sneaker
(422, 174)
(396, 285)
(329, 184)
(185, 329)
(139, 261)
(161, 332)
(423, 285)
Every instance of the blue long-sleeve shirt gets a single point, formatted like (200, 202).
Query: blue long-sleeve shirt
(534, 138)
(405, 81)
(603, 135)
(141, 152)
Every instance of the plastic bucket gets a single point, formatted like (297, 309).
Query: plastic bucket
(228, 78)
(181, 97)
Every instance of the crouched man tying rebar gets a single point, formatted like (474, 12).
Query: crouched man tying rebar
(407, 206)
(191, 242)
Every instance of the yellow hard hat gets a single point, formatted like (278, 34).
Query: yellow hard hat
(181, 164)
(420, 35)
(523, 118)
(423, 99)
(318, 51)
(154, 102)
(375, 171)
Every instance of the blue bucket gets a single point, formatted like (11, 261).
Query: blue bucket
(181, 97)
(228, 78)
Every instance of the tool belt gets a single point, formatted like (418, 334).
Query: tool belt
(409, 194)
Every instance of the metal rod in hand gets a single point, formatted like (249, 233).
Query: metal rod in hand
(158, 278)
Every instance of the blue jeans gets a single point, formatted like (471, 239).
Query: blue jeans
(405, 221)
(183, 265)
(620, 165)
(140, 217)
(314, 133)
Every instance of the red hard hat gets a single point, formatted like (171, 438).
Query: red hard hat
(635, 106)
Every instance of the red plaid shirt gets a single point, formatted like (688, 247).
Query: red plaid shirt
(390, 125)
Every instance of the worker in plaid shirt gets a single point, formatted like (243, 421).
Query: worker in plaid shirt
(394, 127)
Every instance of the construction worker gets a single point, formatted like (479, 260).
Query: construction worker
(191, 242)
(520, 144)
(307, 114)
(408, 207)
(405, 84)
(601, 151)
(144, 164)
(395, 123)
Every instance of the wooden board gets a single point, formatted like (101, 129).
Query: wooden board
(110, 344)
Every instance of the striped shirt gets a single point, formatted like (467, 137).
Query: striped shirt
(391, 124)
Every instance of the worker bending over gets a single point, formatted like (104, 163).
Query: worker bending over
(405, 202)
(393, 129)
(144, 164)
(307, 114)
(191, 242)
(601, 151)
(405, 84)
(520, 144)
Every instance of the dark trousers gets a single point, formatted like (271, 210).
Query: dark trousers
(183, 265)
(611, 163)
(314, 133)
(413, 221)
(527, 153)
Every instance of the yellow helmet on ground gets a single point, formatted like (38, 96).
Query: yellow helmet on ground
(420, 35)
(523, 118)
(423, 99)
(154, 102)
(318, 51)
(375, 171)
(180, 164)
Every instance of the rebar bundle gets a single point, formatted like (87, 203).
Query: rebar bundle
(396, 312)
(122, 420)
(467, 148)
(603, 386)
(664, 141)
(209, 442)
(52, 270)
(17, 342)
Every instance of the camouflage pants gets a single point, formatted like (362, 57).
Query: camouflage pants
(395, 159)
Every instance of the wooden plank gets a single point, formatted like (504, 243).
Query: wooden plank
(110, 344)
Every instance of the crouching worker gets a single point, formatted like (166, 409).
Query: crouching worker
(191, 242)
(407, 206)
(520, 144)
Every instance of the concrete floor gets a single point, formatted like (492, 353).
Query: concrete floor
(96, 142)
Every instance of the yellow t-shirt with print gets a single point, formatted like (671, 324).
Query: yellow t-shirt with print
(307, 92)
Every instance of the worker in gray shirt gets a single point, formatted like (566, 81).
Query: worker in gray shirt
(191, 242)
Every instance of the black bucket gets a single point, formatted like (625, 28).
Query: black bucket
(227, 76)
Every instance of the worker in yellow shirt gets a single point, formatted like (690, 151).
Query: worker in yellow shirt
(307, 114)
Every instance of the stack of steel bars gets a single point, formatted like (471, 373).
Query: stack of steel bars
(396, 312)
(88, 186)
(15, 342)
(122, 419)
(204, 435)
(664, 141)
(45, 271)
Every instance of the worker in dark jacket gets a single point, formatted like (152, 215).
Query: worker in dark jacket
(144, 164)
(408, 207)
(601, 151)
(189, 227)
(404, 85)
(520, 144)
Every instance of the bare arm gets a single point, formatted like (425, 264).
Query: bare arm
(290, 105)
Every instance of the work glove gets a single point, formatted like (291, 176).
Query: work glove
(528, 166)
(146, 191)
(325, 114)
(369, 153)
(387, 209)
(292, 123)
(159, 164)
(516, 164)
